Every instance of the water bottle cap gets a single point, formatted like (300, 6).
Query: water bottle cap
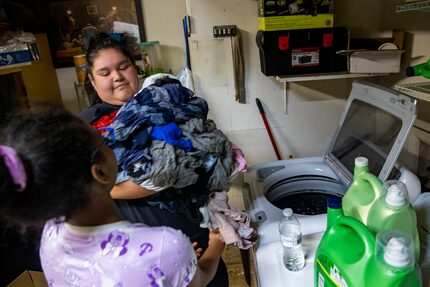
(396, 253)
(287, 212)
(396, 194)
(361, 161)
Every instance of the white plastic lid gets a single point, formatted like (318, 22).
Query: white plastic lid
(361, 161)
(396, 253)
(287, 212)
(396, 194)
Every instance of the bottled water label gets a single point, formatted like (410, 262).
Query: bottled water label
(291, 241)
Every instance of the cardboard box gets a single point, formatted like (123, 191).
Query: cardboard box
(292, 15)
(14, 57)
(29, 279)
(373, 61)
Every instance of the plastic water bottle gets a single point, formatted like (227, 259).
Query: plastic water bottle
(291, 240)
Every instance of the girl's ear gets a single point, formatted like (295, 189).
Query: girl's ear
(100, 174)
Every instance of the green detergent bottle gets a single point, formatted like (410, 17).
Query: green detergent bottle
(393, 211)
(393, 263)
(348, 256)
(364, 190)
(344, 250)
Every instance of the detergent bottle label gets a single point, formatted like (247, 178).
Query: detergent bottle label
(328, 273)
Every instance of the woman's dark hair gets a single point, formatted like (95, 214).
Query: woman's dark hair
(55, 148)
(97, 43)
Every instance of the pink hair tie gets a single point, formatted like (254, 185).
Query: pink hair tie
(14, 164)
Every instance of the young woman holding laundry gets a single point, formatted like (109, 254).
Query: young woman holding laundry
(112, 79)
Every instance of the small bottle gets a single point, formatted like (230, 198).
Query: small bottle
(291, 240)
(419, 70)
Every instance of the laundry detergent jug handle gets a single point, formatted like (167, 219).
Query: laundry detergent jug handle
(362, 231)
(376, 185)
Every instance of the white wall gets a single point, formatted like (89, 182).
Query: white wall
(163, 22)
(303, 128)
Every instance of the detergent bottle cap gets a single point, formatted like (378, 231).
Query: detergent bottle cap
(361, 161)
(394, 249)
(397, 194)
(410, 72)
(334, 202)
(396, 253)
(287, 212)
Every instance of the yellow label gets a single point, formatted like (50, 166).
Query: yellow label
(295, 22)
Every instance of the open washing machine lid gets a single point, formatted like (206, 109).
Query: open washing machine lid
(375, 124)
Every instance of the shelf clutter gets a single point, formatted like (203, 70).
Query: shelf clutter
(414, 6)
(417, 90)
(325, 76)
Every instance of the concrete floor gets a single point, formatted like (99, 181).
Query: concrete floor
(233, 261)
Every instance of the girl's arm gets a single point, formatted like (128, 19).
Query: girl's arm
(129, 190)
(208, 262)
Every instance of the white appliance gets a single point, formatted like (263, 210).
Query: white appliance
(375, 124)
(416, 156)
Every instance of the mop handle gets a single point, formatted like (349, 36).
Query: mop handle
(187, 47)
(272, 140)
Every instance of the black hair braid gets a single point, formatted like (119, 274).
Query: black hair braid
(101, 41)
(55, 148)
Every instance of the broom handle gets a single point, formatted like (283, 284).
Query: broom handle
(272, 140)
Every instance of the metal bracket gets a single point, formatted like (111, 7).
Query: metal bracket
(224, 31)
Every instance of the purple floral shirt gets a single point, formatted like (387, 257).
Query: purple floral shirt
(120, 254)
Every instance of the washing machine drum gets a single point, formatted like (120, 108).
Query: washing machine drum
(305, 194)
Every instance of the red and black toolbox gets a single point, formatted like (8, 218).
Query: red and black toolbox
(304, 51)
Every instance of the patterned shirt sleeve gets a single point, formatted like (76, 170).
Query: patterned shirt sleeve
(178, 258)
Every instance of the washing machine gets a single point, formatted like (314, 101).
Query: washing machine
(374, 124)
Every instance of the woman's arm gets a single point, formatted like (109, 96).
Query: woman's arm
(129, 190)
(208, 262)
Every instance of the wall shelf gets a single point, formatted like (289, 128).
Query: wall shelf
(415, 6)
(325, 76)
(417, 90)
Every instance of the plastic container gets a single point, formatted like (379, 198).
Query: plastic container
(364, 190)
(393, 263)
(151, 57)
(393, 211)
(343, 253)
(291, 240)
(81, 67)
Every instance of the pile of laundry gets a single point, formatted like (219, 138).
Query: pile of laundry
(163, 139)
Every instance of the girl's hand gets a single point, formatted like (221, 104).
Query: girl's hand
(215, 237)
(197, 250)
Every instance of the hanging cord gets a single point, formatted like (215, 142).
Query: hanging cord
(238, 69)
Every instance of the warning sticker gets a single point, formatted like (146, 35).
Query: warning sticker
(305, 57)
